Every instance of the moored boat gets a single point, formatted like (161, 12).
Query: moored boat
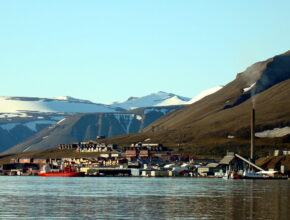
(66, 172)
(253, 175)
(231, 175)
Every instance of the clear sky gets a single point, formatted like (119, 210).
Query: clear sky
(106, 51)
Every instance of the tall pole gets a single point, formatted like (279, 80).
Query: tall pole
(252, 135)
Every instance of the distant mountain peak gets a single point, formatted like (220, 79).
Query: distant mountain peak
(65, 98)
(72, 99)
(132, 98)
(159, 98)
(162, 92)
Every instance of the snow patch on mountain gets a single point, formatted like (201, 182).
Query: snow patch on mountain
(72, 99)
(276, 132)
(204, 94)
(60, 121)
(249, 88)
(138, 117)
(174, 100)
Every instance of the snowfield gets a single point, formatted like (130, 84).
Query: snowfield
(174, 100)
(154, 99)
(11, 107)
(204, 94)
(276, 132)
(23, 104)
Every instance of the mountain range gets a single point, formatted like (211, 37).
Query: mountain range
(85, 127)
(23, 117)
(155, 99)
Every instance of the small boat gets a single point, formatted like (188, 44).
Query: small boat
(66, 172)
(231, 175)
(253, 175)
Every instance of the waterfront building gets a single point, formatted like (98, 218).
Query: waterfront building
(88, 147)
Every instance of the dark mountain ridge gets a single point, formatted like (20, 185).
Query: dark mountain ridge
(84, 127)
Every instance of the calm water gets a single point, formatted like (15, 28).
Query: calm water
(142, 198)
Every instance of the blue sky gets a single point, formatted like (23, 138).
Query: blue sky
(106, 50)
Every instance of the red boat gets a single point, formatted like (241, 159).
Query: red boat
(67, 172)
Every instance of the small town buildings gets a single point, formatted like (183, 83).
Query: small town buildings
(88, 147)
(40, 161)
(131, 153)
(67, 146)
(20, 169)
(281, 153)
(231, 162)
(159, 173)
(25, 160)
(144, 153)
(96, 147)
(208, 171)
(146, 146)
(28, 160)
(135, 172)
(146, 173)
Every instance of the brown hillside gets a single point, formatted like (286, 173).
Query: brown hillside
(204, 126)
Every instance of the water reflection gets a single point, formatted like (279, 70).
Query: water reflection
(142, 198)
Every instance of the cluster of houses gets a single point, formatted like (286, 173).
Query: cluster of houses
(23, 166)
(88, 147)
(139, 159)
(281, 153)
(115, 164)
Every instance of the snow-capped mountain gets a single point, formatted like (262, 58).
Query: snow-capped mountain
(23, 117)
(23, 105)
(72, 99)
(153, 99)
(204, 94)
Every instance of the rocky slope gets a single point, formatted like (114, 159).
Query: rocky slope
(84, 127)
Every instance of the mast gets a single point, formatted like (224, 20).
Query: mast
(252, 156)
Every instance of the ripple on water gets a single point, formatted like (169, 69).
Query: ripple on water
(142, 198)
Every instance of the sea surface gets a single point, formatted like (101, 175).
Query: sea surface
(143, 198)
